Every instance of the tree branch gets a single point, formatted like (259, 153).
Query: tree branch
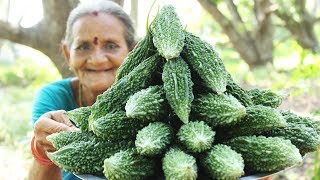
(17, 34)
(239, 37)
(234, 11)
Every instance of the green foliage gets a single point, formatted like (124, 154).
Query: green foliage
(14, 126)
(316, 167)
(25, 72)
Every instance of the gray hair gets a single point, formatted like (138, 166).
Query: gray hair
(104, 6)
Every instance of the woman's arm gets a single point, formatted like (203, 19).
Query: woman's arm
(39, 172)
(48, 123)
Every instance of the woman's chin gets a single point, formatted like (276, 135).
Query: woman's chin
(100, 86)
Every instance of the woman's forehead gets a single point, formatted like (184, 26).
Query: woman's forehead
(103, 25)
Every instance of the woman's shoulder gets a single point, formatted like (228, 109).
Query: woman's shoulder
(57, 85)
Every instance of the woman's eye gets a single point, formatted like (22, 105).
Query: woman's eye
(84, 46)
(110, 46)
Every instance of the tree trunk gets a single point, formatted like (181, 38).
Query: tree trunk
(264, 30)
(302, 28)
(256, 47)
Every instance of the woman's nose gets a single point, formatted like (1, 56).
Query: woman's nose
(99, 56)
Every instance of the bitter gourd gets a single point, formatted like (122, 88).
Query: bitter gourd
(297, 119)
(177, 84)
(306, 139)
(262, 154)
(196, 136)
(265, 97)
(115, 98)
(148, 104)
(179, 165)
(167, 32)
(257, 120)
(141, 51)
(129, 165)
(80, 117)
(154, 139)
(238, 92)
(217, 109)
(64, 138)
(206, 62)
(86, 157)
(221, 162)
(117, 126)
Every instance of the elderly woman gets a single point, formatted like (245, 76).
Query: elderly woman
(98, 37)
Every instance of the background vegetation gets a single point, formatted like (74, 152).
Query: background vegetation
(294, 72)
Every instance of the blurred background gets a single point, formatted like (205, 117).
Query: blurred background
(270, 44)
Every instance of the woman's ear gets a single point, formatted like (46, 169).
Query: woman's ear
(66, 52)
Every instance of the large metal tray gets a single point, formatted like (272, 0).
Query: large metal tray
(252, 177)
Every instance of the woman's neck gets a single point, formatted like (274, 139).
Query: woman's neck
(84, 96)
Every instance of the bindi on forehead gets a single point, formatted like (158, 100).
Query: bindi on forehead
(95, 41)
(95, 13)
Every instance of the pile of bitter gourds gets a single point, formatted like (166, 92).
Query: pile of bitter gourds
(174, 112)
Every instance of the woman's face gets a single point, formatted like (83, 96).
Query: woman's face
(97, 50)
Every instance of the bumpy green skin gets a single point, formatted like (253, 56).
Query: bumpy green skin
(63, 138)
(167, 32)
(177, 84)
(115, 98)
(308, 121)
(196, 136)
(85, 157)
(205, 61)
(178, 165)
(129, 165)
(117, 126)
(306, 139)
(236, 91)
(221, 162)
(217, 109)
(258, 119)
(80, 117)
(265, 97)
(154, 139)
(262, 154)
(141, 51)
(147, 104)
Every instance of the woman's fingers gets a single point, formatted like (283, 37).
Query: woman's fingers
(49, 123)
(54, 121)
(60, 116)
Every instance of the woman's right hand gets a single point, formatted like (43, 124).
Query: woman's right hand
(48, 123)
